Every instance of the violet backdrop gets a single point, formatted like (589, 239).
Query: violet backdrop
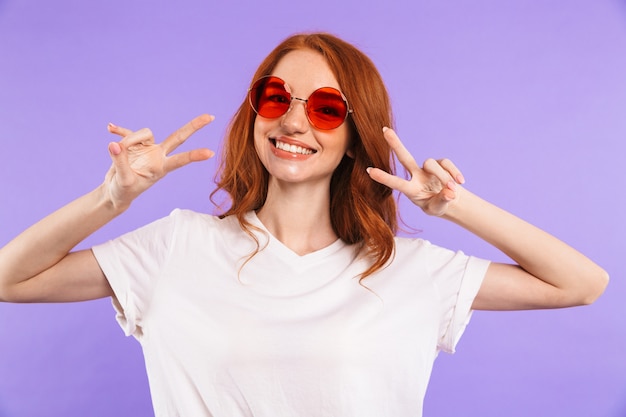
(528, 98)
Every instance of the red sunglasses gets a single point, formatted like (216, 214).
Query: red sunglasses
(326, 108)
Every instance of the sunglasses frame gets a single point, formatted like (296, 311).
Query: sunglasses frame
(303, 100)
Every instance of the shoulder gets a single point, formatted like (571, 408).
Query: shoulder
(420, 252)
(180, 224)
(193, 220)
(191, 226)
(190, 216)
(421, 248)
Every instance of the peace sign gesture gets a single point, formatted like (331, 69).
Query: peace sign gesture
(433, 187)
(139, 162)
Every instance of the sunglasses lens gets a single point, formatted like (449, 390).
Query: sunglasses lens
(326, 108)
(269, 98)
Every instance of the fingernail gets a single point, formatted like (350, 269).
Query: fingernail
(460, 179)
(452, 185)
(368, 169)
(115, 148)
(111, 125)
(385, 129)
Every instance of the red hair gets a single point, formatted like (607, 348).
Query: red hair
(362, 211)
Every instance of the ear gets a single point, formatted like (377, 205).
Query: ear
(350, 153)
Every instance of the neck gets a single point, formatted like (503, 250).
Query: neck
(299, 217)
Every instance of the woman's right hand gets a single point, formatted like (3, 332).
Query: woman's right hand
(38, 265)
(139, 162)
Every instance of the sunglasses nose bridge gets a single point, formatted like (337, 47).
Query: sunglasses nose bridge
(291, 100)
(303, 100)
(294, 119)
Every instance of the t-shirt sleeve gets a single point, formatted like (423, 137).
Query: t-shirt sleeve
(132, 263)
(458, 279)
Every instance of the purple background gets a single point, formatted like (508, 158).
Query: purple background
(528, 98)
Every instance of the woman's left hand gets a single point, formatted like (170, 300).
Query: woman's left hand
(433, 187)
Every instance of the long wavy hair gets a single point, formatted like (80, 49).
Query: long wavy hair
(362, 211)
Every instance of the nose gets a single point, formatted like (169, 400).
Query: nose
(295, 120)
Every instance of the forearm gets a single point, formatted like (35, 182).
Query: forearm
(545, 257)
(48, 241)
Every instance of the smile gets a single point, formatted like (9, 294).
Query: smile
(293, 148)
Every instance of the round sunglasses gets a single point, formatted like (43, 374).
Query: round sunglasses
(326, 108)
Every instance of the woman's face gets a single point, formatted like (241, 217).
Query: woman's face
(290, 148)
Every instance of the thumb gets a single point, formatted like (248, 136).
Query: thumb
(119, 156)
(114, 149)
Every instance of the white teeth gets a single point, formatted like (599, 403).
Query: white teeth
(293, 148)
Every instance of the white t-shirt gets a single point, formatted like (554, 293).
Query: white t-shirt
(283, 335)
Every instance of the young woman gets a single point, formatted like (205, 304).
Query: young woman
(299, 299)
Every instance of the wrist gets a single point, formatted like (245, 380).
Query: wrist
(107, 201)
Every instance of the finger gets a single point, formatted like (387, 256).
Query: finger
(433, 167)
(119, 157)
(385, 178)
(455, 172)
(177, 138)
(142, 136)
(121, 131)
(181, 159)
(404, 156)
(448, 185)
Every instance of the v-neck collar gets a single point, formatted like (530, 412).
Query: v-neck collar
(285, 252)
